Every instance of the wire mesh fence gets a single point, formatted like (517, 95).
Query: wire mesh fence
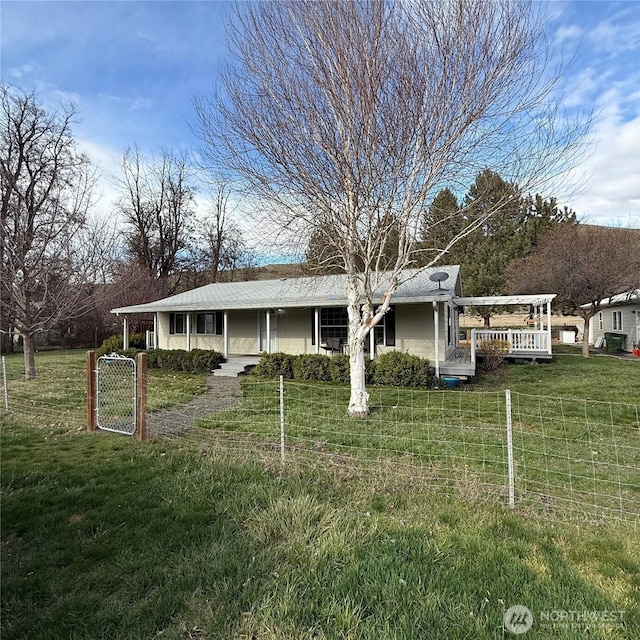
(569, 457)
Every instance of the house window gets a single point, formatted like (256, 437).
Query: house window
(617, 320)
(209, 323)
(177, 323)
(334, 323)
(600, 325)
(384, 333)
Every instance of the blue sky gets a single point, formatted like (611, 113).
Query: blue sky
(132, 69)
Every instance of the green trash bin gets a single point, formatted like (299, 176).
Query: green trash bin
(614, 341)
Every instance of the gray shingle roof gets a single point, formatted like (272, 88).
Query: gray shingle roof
(300, 292)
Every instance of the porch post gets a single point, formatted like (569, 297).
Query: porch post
(549, 325)
(316, 328)
(372, 346)
(225, 333)
(125, 333)
(188, 332)
(155, 330)
(436, 335)
(268, 331)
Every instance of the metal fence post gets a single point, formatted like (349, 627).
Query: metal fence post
(282, 419)
(141, 400)
(4, 384)
(91, 391)
(512, 482)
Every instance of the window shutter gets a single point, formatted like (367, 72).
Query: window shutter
(390, 326)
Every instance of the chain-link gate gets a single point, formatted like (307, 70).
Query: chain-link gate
(116, 394)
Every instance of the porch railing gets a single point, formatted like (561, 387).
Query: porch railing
(520, 340)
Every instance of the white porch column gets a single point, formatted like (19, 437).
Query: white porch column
(268, 331)
(436, 335)
(225, 333)
(549, 325)
(125, 333)
(155, 330)
(188, 332)
(372, 346)
(316, 328)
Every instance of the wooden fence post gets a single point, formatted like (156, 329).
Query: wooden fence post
(141, 393)
(91, 391)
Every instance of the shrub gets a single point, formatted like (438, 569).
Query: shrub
(399, 369)
(311, 367)
(205, 360)
(114, 344)
(492, 353)
(274, 365)
(339, 368)
(394, 369)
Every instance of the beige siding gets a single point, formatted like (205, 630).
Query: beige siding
(414, 330)
(294, 332)
(243, 332)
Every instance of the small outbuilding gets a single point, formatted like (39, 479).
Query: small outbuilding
(619, 316)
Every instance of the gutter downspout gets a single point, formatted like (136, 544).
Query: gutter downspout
(125, 333)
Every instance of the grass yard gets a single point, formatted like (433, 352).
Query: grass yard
(105, 537)
(61, 383)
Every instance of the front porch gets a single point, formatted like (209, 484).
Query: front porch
(523, 344)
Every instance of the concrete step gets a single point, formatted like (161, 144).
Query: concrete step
(233, 367)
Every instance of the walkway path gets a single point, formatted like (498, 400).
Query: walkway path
(223, 393)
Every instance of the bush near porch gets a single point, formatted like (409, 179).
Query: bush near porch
(194, 361)
(395, 369)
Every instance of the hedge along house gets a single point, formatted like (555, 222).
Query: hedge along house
(618, 315)
(308, 315)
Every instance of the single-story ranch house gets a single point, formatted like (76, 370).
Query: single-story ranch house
(308, 315)
(619, 314)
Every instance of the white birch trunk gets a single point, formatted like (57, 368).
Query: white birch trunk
(359, 399)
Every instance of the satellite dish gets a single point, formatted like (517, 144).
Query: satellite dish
(439, 276)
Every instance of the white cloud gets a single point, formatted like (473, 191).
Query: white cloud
(107, 162)
(611, 193)
(615, 38)
(21, 72)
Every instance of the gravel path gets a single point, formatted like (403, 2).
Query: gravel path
(223, 393)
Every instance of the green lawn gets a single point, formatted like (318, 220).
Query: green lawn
(105, 537)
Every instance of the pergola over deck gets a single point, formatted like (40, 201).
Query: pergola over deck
(532, 342)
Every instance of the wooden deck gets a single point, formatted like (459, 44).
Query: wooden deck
(459, 362)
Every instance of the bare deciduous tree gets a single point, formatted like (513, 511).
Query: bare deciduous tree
(224, 246)
(583, 264)
(157, 205)
(345, 117)
(47, 188)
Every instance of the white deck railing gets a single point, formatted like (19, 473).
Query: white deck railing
(522, 341)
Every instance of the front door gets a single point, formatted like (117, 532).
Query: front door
(271, 346)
